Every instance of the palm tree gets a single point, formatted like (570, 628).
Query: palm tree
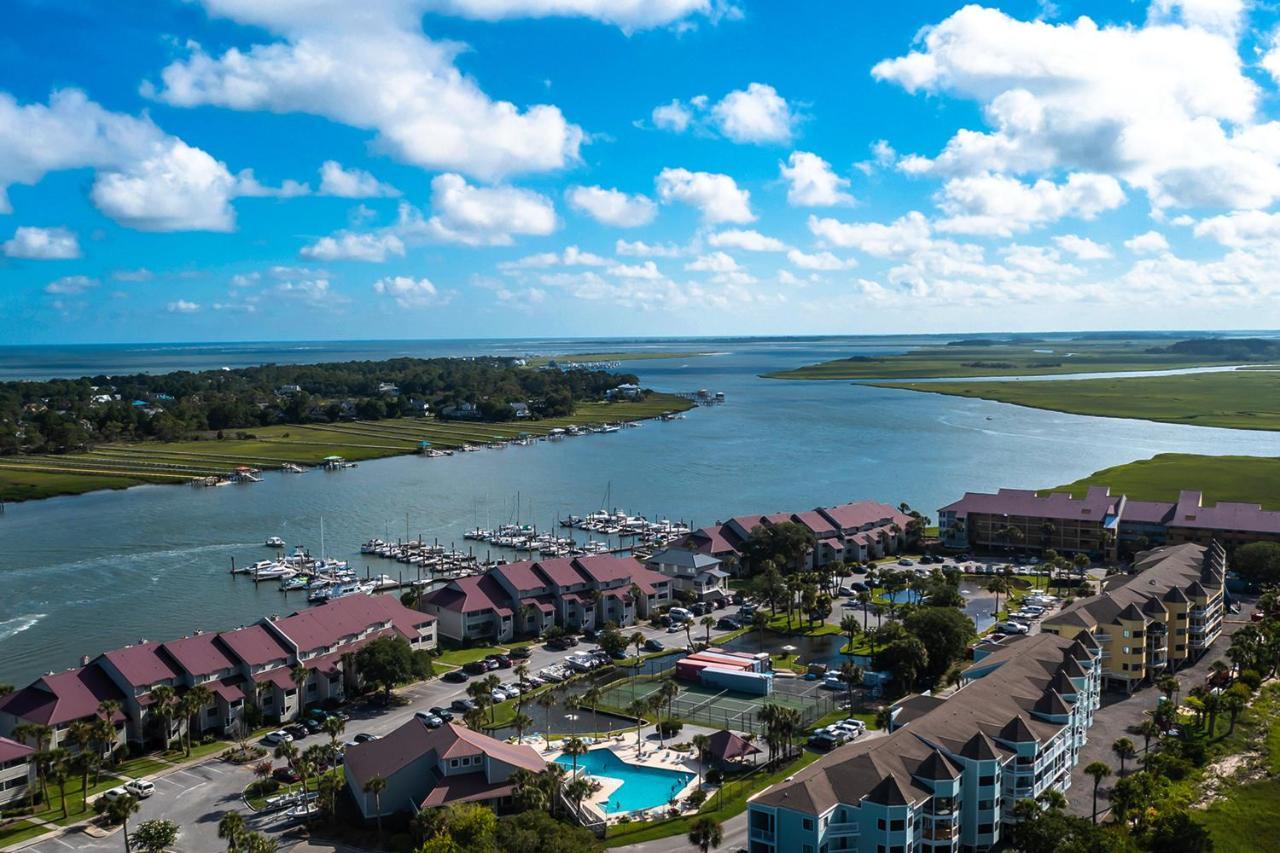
(107, 710)
(1148, 729)
(638, 709)
(1233, 702)
(546, 701)
(81, 734)
(231, 829)
(58, 775)
(1124, 750)
(1169, 686)
(573, 747)
(333, 727)
(705, 833)
(376, 786)
(708, 622)
(197, 699)
(1099, 770)
(998, 585)
(299, 675)
(1212, 706)
(591, 698)
(37, 735)
(637, 640)
(288, 752)
(759, 621)
(851, 674)
(520, 722)
(162, 700)
(579, 788)
(884, 718)
(864, 599)
(668, 690)
(119, 811)
(700, 743)
(849, 625)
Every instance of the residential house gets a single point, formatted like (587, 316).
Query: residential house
(947, 776)
(203, 659)
(520, 410)
(137, 670)
(426, 767)
(625, 391)
(17, 770)
(1164, 615)
(692, 573)
(58, 700)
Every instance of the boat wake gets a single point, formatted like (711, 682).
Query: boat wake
(18, 624)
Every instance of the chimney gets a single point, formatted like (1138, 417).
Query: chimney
(84, 660)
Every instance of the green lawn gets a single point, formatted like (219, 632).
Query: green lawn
(51, 811)
(20, 830)
(1253, 479)
(458, 657)
(1248, 814)
(1016, 358)
(733, 803)
(120, 466)
(1238, 400)
(143, 766)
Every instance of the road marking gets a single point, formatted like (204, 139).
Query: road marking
(63, 843)
(196, 787)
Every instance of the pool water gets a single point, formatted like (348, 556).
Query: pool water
(642, 787)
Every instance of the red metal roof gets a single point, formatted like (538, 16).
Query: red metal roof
(1094, 506)
(345, 618)
(858, 514)
(11, 750)
(469, 594)
(281, 676)
(255, 645)
(390, 754)
(142, 665)
(199, 655)
(561, 572)
(521, 576)
(63, 697)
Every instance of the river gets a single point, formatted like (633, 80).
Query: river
(82, 574)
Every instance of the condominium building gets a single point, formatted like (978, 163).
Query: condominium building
(947, 776)
(527, 597)
(17, 771)
(693, 573)
(1100, 524)
(852, 532)
(1166, 613)
(254, 664)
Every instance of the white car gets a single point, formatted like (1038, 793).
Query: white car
(498, 696)
(278, 736)
(1012, 628)
(115, 794)
(140, 788)
(513, 689)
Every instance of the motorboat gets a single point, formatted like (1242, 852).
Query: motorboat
(275, 542)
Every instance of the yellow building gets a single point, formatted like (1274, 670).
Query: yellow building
(1164, 614)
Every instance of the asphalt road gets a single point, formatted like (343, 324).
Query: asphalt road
(197, 796)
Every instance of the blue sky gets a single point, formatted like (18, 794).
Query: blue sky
(246, 169)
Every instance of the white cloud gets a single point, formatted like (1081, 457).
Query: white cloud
(627, 14)
(43, 244)
(903, 236)
(248, 186)
(647, 270)
(368, 65)
(572, 256)
(134, 275)
(823, 261)
(409, 292)
(351, 246)
(1082, 247)
(747, 240)
(352, 183)
(1242, 229)
(182, 306)
(479, 216)
(812, 183)
(180, 189)
(1167, 108)
(718, 262)
(675, 117)
(70, 285)
(1150, 243)
(1001, 205)
(757, 114)
(717, 196)
(612, 207)
(641, 249)
(315, 292)
(1217, 16)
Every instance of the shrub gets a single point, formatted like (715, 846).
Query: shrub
(670, 728)
(1251, 679)
(696, 798)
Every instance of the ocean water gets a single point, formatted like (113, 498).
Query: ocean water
(82, 574)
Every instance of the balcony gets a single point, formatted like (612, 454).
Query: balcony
(940, 833)
(762, 835)
(842, 830)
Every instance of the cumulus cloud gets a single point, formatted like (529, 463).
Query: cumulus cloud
(675, 117)
(641, 249)
(182, 306)
(1082, 247)
(1001, 205)
(716, 196)
(757, 114)
(718, 262)
(811, 182)
(626, 14)
(368, 65)
(1165, 107)
(42, 244)
(647, 270)
(612, 207)
(820, 261)
(350, 246)
(571, 256)
(409, 292)
(70, 285)
(479, 216)
(352, 183)
(1150, 243)
(747, 240)
(903, 236)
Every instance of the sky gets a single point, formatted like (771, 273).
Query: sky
(314, 169)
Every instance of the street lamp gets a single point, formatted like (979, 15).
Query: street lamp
(573, 723)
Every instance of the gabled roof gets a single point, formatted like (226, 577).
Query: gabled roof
(724, 745)
(390, 754)
(1153, 606)
(345, 618)
(561, 572)
(469, 594)
(859, 514)
(605, 568)
(684, 558)
(200, 654)
(11, 750)
(61, 697)
(142, 665)
(1130, 614)
(255, 645)
(1096, 505)
(521, 576)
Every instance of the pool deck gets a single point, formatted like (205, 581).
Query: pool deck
(650, 753)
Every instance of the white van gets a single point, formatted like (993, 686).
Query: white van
(679, 614)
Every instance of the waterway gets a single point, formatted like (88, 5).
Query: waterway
(82, 574)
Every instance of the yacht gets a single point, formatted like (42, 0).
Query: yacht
(275, 542)
(295, 582)
(274, 571)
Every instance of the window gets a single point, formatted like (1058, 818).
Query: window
(897, 825)
(987, 781)
(212, 713)
(453, 762)
(807, 823)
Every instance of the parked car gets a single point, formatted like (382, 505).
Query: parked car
(502, 661)
(589, 633)
(313, 725)
(664, 620)
(674, 627)
(680, 614)
(285, 773)
(1012, 627)
(443, 713)
(455, 676)
(727, 623)
(519, 653)
(431, 721)
(297, 730)
(905, 562)
(114, 793)
(558, 644)
(618, 655)
(140, 788)
(698, 608)
(824, 740)
(653, 645)
(462, 705)
(364, 737)
(276, 737)
(475, 667)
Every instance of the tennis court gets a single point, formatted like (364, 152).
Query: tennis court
(726, 708)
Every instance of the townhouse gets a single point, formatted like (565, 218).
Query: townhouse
(948, 774)
(1163, 615)
(17, 771)
(851, 532)
(1100, 524)
(253, 664)
(527, 597)
(694, 575)
(426, 767)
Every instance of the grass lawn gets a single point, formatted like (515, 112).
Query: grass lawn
(138, 768)
(734, 802)
(1002, 359)
(800, 626)
(51, 811)
(458, 657)
(20, 830)
(1253, 479)
(198, 750)
(1244, 817)
(120, 466)
(1239, 400)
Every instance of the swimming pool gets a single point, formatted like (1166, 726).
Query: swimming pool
(642, 787)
